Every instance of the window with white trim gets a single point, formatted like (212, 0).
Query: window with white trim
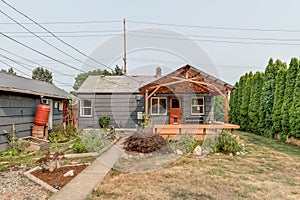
(85, 108)
(158, 105)
(197, 106)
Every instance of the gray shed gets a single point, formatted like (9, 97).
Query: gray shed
(19, 98)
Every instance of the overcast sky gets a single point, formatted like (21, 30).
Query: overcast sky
(224, 37)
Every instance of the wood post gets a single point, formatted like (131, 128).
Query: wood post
(226, 107)
(146, 103)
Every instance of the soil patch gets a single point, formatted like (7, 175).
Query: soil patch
(56, 178)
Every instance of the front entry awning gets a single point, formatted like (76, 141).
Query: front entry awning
(187, 80)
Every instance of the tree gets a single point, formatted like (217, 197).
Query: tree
(288, 96)
(42, 74)
(295, 110)
(118, 71)
(255, 97)
(244, 119)
(9, 71)
(233, 104)
(240, 97)
(80, 78)
(267, 97)
(219, 108)
(278, 99)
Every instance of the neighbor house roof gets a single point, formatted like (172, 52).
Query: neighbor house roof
(115, 84)
(23, 85)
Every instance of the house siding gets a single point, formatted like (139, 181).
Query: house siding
(19, 110)
(186, 107)
(121, 108)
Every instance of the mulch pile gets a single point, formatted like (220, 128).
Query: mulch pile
(144, 142)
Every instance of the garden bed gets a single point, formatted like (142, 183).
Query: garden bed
(36, 144)
(54, 180)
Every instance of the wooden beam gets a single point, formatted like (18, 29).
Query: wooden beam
(226, 107)
(146, 103)
(154, 91)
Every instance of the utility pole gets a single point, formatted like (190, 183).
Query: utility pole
(124, 58)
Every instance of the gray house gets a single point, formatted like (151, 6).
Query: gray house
(19, 98)
(184, 96)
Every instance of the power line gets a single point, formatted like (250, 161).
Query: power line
(33, 62)
(43, 39)
(32, 49)
(65, 43)
(214, 27)
(219, 41)
(15, 69)
(80, 31)
(68, 22)
(23, 65)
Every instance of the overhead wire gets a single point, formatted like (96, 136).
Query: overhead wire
(45, 40)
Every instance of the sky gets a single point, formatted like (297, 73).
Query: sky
(223, 38)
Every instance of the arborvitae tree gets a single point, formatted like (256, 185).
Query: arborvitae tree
(233, 105)
(288, 96)
(295, 110)
(255, 97)
(244, 119)
(278, 99)
(267, 100)
(240, 97)
(219, 108)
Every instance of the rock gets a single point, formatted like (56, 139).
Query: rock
(69, 173)
(230, 154)
(179, 152)
(238, 153)
(56, 185)
(197, 151)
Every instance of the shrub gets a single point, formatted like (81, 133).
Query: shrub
(78, 146)
(60, 134)
(227, 143)
(104, 121)
(92, 141)
(183, 142)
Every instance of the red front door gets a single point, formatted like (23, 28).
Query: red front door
(175, 111)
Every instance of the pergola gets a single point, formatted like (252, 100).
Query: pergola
(186, 80)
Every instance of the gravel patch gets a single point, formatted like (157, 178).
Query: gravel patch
(15, 186)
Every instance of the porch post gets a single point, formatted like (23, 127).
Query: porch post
(146, 102)
(226, 107)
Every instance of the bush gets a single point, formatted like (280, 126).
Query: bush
(92, 141)
(227, 143)
(60, 134)
(78, 146)
(183, 142)
(104, 121)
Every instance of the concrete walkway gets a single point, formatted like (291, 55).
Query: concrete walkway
(83, 184)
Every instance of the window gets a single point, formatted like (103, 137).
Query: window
(175, 103)
(86, 108)
(197, 107)
(158, 105)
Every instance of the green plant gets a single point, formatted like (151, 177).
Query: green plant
(104, 121)
(183, 142)
(78, 146)
(227, 143)
(193, 145)
(92, 141)
(61, 134)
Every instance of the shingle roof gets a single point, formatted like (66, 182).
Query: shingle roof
(29, 86)
(115, 84)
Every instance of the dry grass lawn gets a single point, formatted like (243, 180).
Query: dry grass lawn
(270, 170)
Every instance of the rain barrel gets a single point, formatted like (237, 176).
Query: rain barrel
(41, 115)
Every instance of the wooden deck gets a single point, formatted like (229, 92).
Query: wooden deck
(199, 131)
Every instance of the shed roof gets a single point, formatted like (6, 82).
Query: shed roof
(115, 84)
(23, 85)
